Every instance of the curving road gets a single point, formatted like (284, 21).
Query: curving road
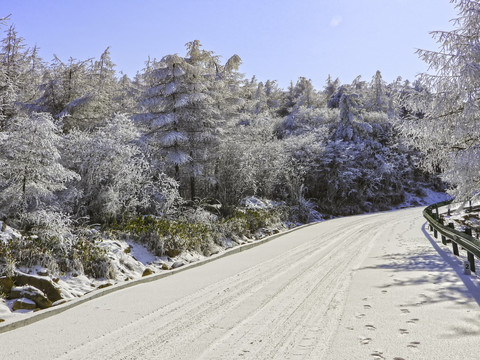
(327, 291)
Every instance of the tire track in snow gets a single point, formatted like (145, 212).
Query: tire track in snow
(267, 309)
(298, 323)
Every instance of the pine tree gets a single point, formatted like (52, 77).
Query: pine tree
(67, 89)
(378, 100)
(181, 112)
(12, 66)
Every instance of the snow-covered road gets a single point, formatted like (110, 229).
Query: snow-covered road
(364, 287)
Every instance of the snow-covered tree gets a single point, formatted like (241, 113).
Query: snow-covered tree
(116, 180)
(182, 116)
(12, 66)
(378, 100)
(449, 131)
(331, 86)
(101, 93)
(32, 174)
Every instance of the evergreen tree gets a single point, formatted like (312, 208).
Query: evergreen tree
(378, 100)
(183, 118)
(13, 60)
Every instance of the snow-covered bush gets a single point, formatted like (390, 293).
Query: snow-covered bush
(117, 181)
(51, 226)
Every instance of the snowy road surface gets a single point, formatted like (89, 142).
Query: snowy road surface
(364, 287)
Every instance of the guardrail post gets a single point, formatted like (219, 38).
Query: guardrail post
(435, 233)
(471, 260)
(468, 231)
(444, 239)
(455, 248)
(454, 244)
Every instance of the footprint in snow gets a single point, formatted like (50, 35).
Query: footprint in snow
(405, 311)
(359, 316)
(365, 340)
(413, 344)
(367, 306)
(370, 327)
(377, 355)
(403, 331)
(413, 321)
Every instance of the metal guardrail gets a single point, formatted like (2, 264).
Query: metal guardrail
(466, 241)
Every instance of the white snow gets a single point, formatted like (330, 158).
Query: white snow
(141, 253)
(255, 203)
(361, 287)
(9, 233)
(430, 197)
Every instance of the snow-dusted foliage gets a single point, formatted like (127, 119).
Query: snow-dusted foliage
(116, 179)
(448, 130)
(32, 174)
(183, 95)
(20, 74)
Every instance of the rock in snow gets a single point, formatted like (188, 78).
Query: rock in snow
(147, 272)
(24, 304)
(43, 284)
(177, 264)
(31, 293)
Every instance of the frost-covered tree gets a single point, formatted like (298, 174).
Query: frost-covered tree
(378, 100)
(116, 180)
(32, 174)
(449, 131)
(306, 120)
(180, 109)
(82, 94)
(127, 94)
(13, 62)
(350, 119)
(235, 174)
(100, 93)
(305, 94)
(331, 87)
(66, 90)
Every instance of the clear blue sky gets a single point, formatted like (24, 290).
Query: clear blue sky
(276, 39)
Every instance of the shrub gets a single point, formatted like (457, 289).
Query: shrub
(168, 237)
(80, 256)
